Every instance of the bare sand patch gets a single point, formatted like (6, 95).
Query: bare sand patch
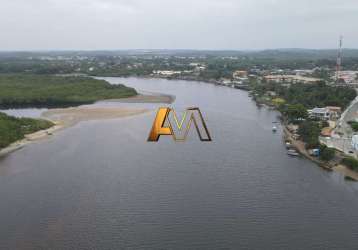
(67, 117)
(71, 116)
(154, 98)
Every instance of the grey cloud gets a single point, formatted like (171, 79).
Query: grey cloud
(171, 24)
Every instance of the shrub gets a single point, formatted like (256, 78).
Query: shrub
(326, 154)
(350, 162)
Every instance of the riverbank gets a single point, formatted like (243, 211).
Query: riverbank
(71, 116)
(67, 117)
(153, 98)
(300, 147)
(331, 165)
(41, 134)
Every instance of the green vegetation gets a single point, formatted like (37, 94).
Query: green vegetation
(13, 129)
(23, 90)
(309, 95)
(300, 97)
(350, 162)
(278, 102)
(318, 95)
(295, 112)
(326, 154)
(354, 125)
(309, 132)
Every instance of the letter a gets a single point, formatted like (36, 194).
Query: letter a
(158, 128)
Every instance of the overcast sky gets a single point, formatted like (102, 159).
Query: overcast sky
(177, 24)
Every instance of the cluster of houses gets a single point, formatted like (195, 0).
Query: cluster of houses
(168, 72)
(326, 113)
(330, 114)
(349, 76)
(197, 68)
(291, 79)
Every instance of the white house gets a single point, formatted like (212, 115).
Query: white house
(320, 113)
(354, 142)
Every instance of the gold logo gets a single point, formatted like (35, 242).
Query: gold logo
(163, 125)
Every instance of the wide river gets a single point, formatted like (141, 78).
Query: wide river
(101, 185)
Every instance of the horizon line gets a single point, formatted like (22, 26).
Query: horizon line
(165, 49)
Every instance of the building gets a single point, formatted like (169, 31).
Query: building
(335, 112)
(226, 81)
(303, 72)
(198, 66)
(319, 113)
(326, 132)
(349, 76)
(354, 142)
(239, 74)
(166, 72)
(291, 79)
(326, 113)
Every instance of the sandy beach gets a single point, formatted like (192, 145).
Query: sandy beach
(154, 98)
(30, 138)
(63, 118)
(71, 116)
(66, 117)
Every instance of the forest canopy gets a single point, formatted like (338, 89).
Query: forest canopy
(24, 90)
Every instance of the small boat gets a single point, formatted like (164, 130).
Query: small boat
(292, 152)
(274, 129)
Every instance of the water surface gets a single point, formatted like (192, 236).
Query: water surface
(100, 185)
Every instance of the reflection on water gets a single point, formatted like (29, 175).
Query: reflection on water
(28, 112)
(101, 185)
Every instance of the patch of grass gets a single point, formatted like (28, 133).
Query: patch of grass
(354, 125)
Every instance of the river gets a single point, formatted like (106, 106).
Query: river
(101, 185)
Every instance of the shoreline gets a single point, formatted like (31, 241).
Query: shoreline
(68, 117)
(72, 116)
(328, 166)
(141, 98)
(297, 144)
(29, 138)
(300, 147)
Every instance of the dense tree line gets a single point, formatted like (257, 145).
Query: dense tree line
(219, 64)
(309, 95)
(300, 97)
(21, 90)
(318, 95)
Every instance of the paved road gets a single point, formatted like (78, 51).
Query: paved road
(342, 135)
